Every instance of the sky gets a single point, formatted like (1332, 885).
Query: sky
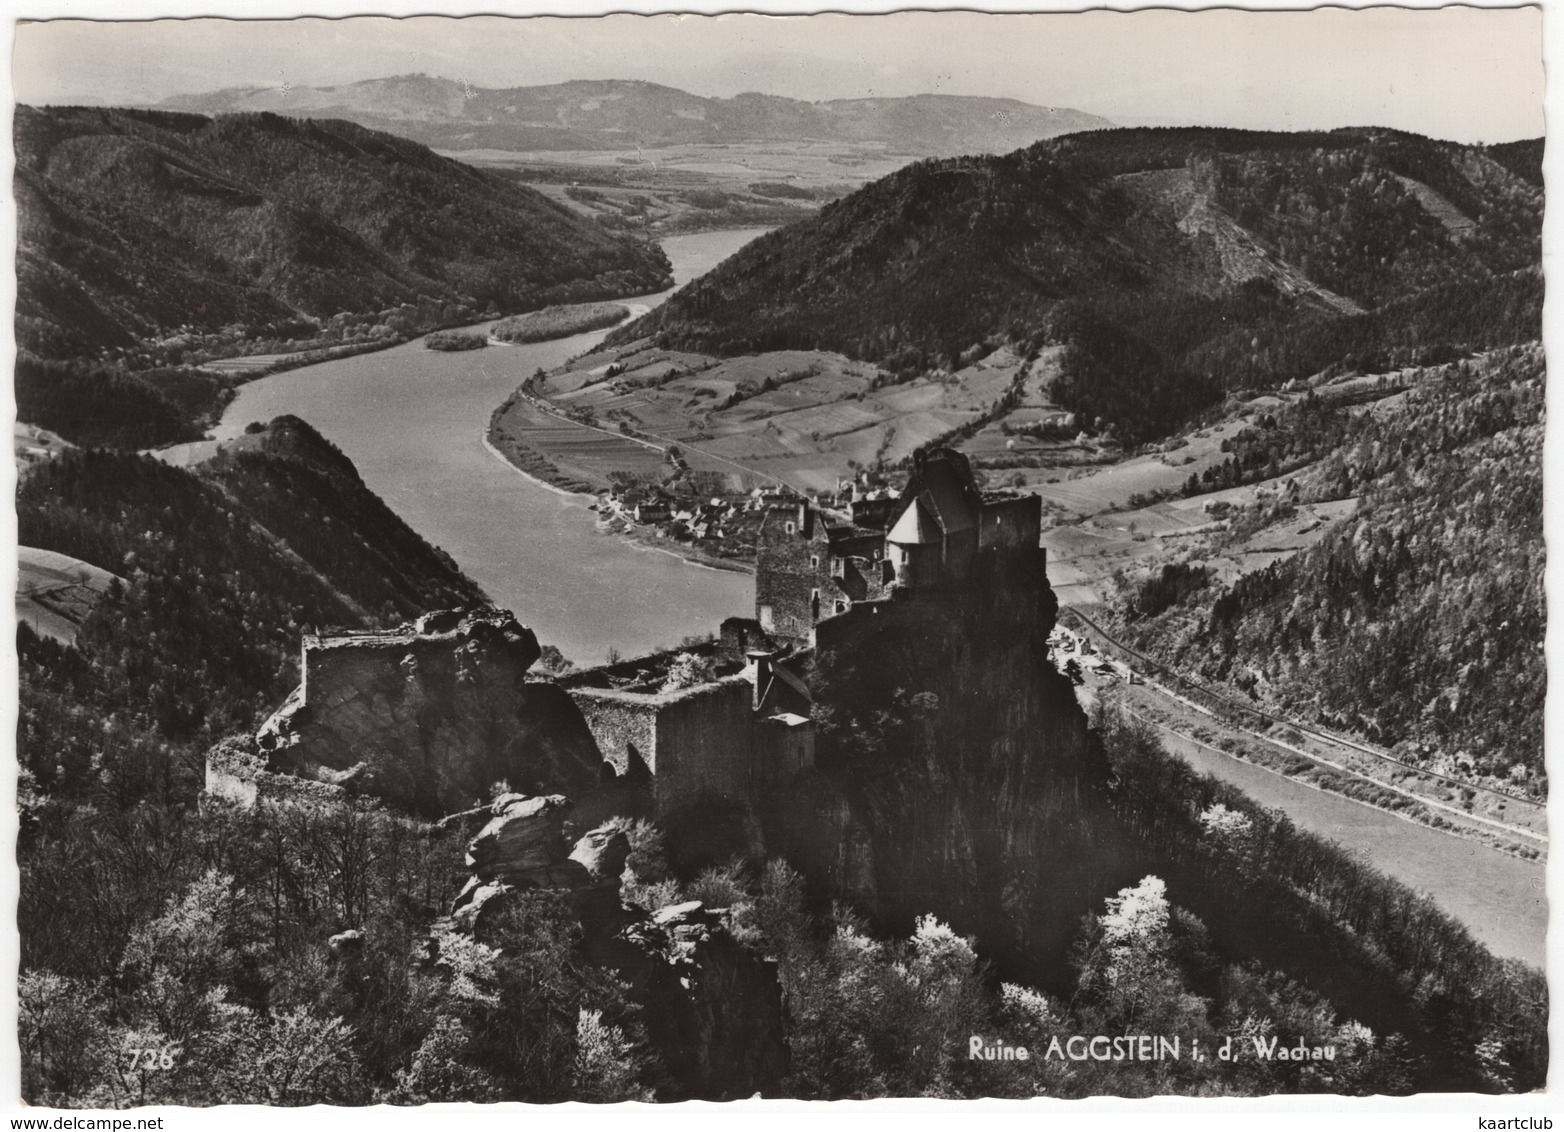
(1467, 74)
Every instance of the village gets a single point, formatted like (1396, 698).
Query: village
(726, 524)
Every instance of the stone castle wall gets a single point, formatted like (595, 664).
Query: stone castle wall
(1011, 524)
(698, 740)
(430, 717)
(706, 744)
(624, 726)
(795, 568)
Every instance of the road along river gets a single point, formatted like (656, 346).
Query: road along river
(1501, 899)
(414, 420)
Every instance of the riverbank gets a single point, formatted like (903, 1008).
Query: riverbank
(580, 496)
(1296, 750)
(694, 555)
(1311, 771)
(529, 461)
(1500, 898)
(541, 471)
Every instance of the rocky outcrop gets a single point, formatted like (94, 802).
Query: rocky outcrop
(973, 789)
(431, 716)
(525, 846)
(712, 1009)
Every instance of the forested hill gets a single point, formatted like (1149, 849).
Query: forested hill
(135, 225)
(1418, 621)
(1173, 262)
(224, 568)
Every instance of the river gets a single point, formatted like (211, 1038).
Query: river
(414, 420)
(1501, 899)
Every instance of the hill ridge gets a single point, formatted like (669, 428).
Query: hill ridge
(138, 223)
(630, 113)
(949, 258)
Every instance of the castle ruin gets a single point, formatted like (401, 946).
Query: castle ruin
(433, 714)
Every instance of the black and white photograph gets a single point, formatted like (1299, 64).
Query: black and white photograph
(819, 557)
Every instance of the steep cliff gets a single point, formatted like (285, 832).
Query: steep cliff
(972, 789)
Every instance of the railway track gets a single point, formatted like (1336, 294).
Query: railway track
(1155, 666)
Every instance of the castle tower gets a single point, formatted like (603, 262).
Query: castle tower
(914, 547)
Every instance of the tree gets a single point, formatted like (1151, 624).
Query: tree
(687, 670)
(608, 1065)
(65, 1043)
(1128, 977)
(176, 962)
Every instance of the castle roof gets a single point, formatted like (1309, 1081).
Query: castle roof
(948, 491)
(916, 527)
(944, 487)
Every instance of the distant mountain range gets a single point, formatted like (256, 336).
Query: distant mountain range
(620, 114)
(1173, 264)
(134, 224)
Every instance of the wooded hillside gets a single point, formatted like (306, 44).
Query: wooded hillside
(1173, 263)
(139, 225)
(1417, 623)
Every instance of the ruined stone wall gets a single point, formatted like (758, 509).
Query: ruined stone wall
(699, 740)
(335, 676)
(236, 773)
(706, 743)
(1011, 523)
(431, 717)
(624, 727)
(740, 635)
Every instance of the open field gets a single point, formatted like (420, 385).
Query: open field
(688, 188)
(32, 444)
(1083, 555)
(580, 457)
(54, 592)
(808, 418)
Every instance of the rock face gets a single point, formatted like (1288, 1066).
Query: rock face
(521, 844)
(712, 1009)
(431, 716)
(972, 787)
(525, 846)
